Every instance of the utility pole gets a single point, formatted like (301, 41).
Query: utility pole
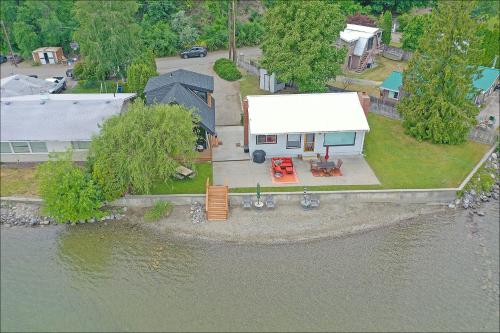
(13, 60)
(234, 31)
(229, 32)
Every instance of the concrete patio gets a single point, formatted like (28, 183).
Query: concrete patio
(355, 170)
(231, 148)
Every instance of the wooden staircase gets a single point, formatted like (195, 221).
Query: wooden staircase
(362, 63)
(216, 202)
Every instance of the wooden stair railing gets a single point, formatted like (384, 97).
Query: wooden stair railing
(216, 202)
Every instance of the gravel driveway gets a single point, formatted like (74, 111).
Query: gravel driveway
(226, 93)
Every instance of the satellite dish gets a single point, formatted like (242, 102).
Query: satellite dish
(73, 45)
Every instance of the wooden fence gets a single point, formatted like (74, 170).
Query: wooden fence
(249, 65)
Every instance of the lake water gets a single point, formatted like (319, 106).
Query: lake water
(440, 273)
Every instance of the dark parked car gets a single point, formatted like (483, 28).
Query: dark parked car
(2, 58)
(14, 58)
(195, 51)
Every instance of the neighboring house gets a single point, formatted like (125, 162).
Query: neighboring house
(19, 85)
(48, 55)
(390, 89)
(484, 82)
(304, 124)
(362, 45)
(32, 126)
(189, 89)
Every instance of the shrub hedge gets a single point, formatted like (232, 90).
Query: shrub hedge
(227, 70)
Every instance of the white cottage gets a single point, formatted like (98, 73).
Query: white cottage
(305, 124)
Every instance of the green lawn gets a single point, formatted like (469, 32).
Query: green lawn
(370, 90)
(195, 185)
(83, 87)
(18, 181)
(400, 161)
(249, 85)
(381, 71)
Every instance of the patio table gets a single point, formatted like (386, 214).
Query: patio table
(326, 165)
(183, 171)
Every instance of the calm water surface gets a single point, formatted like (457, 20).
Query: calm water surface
(438, 274)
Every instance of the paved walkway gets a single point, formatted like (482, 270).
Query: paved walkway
(355, 170)
(231, 148)
(491, 108)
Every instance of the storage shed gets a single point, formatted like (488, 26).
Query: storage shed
(48, 55)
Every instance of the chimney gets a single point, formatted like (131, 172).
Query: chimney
(364, 99)
(245, 124)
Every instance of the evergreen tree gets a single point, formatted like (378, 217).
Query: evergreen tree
(438, 80)
(298, 43)
(386, 25)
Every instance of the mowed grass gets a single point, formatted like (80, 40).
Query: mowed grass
(249, 85)
(400, 161)
(381, 71)
(18, 182)
(108, 86)
(185, 186)
(370, 90)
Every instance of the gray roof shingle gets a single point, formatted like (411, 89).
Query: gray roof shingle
(192, 79)
(174, 89)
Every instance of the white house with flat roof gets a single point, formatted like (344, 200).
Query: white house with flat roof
(32, 126)
(305, 124)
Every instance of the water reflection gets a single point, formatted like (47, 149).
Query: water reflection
(102, 251)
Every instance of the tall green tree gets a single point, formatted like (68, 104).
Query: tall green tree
(298, 43)
(108, 35)
(386, 25)
(140, 147)
(8, 14)
(490, 39)
(138, 75)
(43, 23)
(183, 26)
(439, 77)
(160, 38)
(414, 30)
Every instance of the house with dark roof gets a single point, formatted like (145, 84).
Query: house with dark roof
(190, 89)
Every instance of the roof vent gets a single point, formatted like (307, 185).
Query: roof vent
(42, 102)
(107, 102)
(7, 103)
(75, 102)
(44, 96)
(16, 77)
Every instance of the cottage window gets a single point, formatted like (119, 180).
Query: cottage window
(80, 144)
(38, 147)
(340, 139)
(20, 147)
(394, 94)
(266, 139)
(5, 148)
(370, 43)
(293, 141)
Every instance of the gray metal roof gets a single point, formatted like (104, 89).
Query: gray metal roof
(18, 85)
(192, 79)
(67, 117)
(175, 87)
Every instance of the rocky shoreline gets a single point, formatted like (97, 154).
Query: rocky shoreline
(474, 196)
(29, 215)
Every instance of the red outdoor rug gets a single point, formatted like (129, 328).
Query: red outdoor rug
(287, 178)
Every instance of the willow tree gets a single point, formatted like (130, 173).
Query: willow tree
(438, 81)
(107, 35)
(142, 146)
(298, 43)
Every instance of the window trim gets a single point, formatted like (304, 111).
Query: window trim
(266, 143)
(10, 147)
(348, 145)
(27, 143)
(39, 152)
(300, 141)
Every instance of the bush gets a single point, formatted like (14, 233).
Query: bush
(68, 192)
(159, 210)
(227, 70)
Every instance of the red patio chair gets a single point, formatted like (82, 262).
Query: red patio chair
(336, 169)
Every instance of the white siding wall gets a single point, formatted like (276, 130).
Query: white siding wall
(279, 149)
(52, 146)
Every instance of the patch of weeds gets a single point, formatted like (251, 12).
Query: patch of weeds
(159, 210)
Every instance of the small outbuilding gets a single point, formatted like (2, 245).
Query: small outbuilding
(48, 55)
